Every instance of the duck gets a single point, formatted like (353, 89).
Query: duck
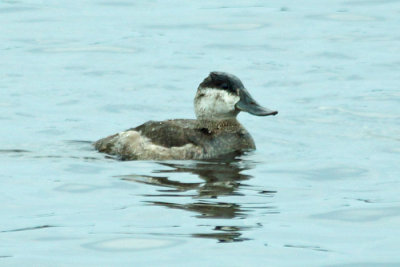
(214, 134)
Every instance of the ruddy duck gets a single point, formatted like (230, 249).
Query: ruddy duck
(215, 133)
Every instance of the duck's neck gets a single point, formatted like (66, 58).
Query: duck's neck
(218, 125)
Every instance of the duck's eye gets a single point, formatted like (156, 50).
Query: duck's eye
(224, 86)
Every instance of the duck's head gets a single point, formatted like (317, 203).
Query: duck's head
(222, 96)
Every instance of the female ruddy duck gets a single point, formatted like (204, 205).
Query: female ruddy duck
(215, 133)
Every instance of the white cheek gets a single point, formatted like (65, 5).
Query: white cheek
(216, 103)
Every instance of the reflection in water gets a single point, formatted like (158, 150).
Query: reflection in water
(221, 178)
(227, 233)
(218, 210)
(223, 237)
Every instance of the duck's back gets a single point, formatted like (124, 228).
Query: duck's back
(175, 139)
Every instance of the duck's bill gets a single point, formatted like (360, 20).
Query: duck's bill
(248, 104)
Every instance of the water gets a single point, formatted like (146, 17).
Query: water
(321, 189)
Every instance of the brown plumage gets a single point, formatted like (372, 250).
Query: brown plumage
(178, 139)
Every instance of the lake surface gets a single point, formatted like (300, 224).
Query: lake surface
(322, 188)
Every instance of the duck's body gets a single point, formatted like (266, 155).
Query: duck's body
(215, 133)
(178, 139)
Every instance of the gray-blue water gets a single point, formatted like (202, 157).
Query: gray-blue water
(322, 188)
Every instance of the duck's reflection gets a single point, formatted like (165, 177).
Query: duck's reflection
(221, 178)
(220, 210)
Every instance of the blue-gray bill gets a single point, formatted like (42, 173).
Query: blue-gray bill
(248, 104)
